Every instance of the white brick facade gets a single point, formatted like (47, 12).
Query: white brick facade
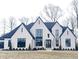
(29, 35)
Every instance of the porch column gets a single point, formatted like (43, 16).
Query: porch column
(6, 43)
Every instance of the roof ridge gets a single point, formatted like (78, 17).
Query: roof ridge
(49, 25)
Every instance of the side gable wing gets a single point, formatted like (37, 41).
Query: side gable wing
(68, 29)
(58, 27)
(25, 31)
(10, 34)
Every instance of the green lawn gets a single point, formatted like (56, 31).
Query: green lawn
(38, 55)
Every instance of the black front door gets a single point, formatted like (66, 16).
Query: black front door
(48, 43)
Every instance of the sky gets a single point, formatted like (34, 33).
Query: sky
(28, 8)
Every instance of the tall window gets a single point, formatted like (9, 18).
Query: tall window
(57, 33)
(57, 43)
(9, 43)
(68, 42)
(56, 37)
(21, 29)
(39, 21)
(48, 35)
(38, 42)
(39, 34)
(21, 42)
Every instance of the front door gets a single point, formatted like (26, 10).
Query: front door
(48, 43)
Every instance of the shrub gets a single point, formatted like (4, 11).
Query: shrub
(77, 47)
(34, 49)
(13, 48)
(29, 48)
(41, 48)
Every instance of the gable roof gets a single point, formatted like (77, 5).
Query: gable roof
(49, 26)
(58, 24)
(28, 30)
(64, 29)
(10, 34)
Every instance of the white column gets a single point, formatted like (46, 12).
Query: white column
(6, 43)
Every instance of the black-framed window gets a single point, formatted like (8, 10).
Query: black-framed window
(56, 32)
(39, 21)
(39, 32)
(57, 43)
(21, 42)
(1, 44)
(48, 35)
(21, 29)
(39, 42)
(48, 43)
(9, 43)
(68, 42)
(38, 38)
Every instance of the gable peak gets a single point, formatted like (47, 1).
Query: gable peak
(39, 18)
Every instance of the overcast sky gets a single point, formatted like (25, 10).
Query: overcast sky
(28, 8)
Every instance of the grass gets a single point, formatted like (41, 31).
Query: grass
(38, 55)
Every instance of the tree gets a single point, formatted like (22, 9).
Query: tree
(12, 23)
(29, 48)
(73, 22)
(65, 22)
(53, 12)
(4, 26)
(24, 20)
(73, 18)
(75, 9)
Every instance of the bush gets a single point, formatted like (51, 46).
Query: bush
(13, 48)
(26, 48)
(77, 47)
(16, 49)
(19, 49)
(23, 49)
(34, 49)
(41, 48)
(63, 48)
(29, 48)
(56, 49)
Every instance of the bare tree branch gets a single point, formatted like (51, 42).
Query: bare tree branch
(53, 12)
(4, 26)
(24, 20)
(43, 17)
(75, 8)
(12, 23)
(72, 22)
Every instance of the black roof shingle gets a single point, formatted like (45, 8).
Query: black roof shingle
(49, 25)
